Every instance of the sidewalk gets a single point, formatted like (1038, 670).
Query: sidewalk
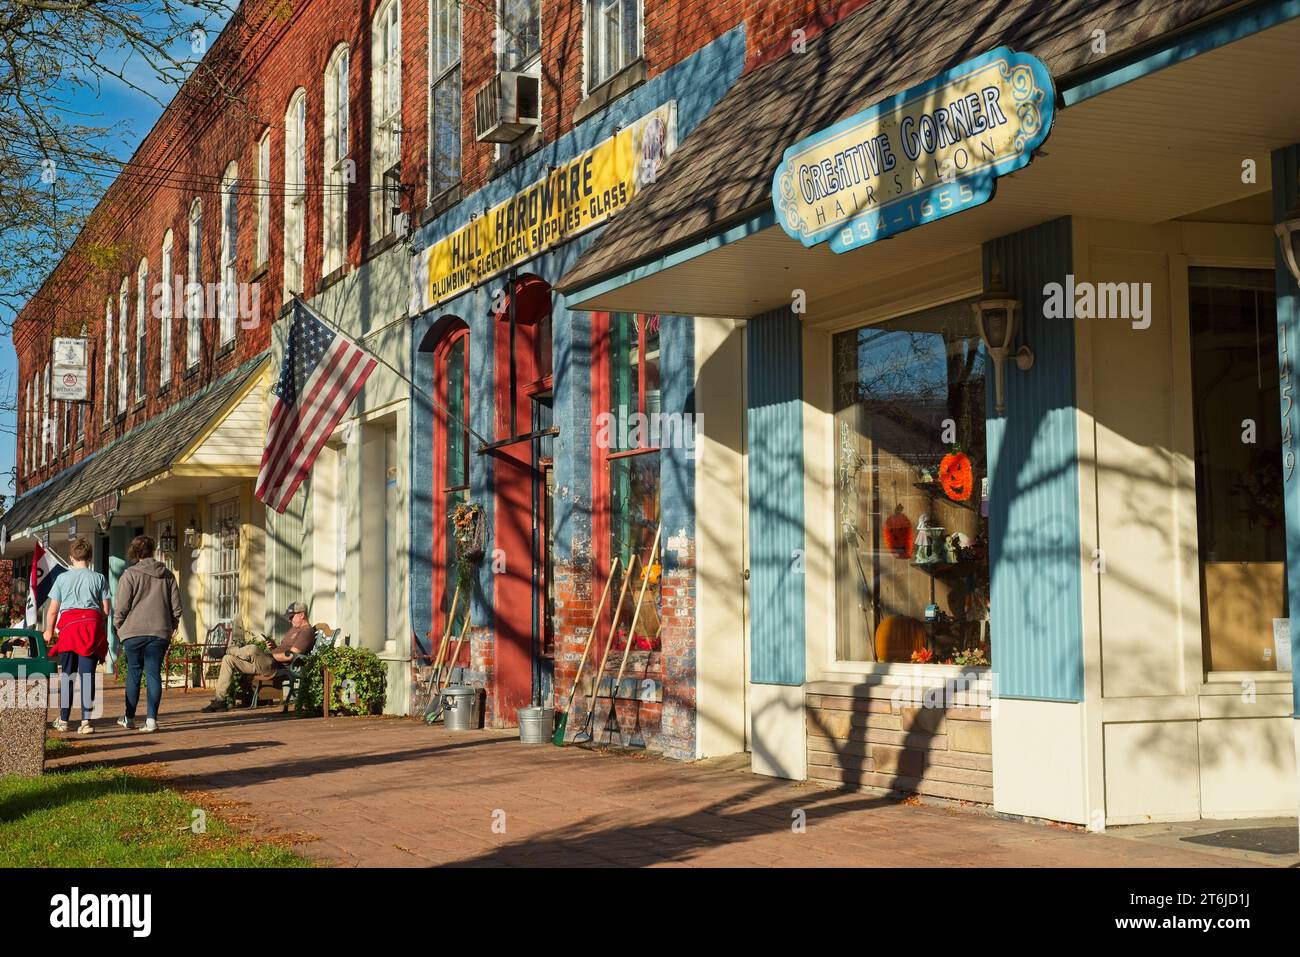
(393, 792)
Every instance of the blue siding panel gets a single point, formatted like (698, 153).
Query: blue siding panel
(1036, 591)
(774, 384)
(1286, 195)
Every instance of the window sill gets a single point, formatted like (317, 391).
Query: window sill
(191, 372)
(139, 404)
(621, 83)
(260, 271)
(285, 308)
(382, 245)
(439, 204)
(226, 350)
(849, 676)
(327, 281)
(164, 390)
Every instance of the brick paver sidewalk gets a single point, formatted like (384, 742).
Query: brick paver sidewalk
(396, 792)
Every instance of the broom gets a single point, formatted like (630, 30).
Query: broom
(435, 675)
(583, 736)
(562, 719)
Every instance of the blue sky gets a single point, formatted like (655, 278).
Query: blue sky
(114, 103)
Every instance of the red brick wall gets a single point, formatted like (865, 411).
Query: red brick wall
(271, 49)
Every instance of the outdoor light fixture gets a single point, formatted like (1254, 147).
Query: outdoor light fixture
(1288, 235)
(72, 530)
(996, 312)
(167, 540)
(192, 534)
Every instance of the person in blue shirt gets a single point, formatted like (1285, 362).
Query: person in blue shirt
(79, 607)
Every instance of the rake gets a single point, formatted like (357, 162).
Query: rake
(611, 721)
(585, 735)
(436, 675)
(562, 722)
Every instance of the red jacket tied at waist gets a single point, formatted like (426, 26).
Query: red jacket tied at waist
(83, 630)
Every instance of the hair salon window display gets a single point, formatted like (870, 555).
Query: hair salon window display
(911, 569)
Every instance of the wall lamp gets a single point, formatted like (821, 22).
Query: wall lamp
(1288, 236)
(997, 312)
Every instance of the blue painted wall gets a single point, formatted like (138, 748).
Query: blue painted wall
(1036, 591)
(697, 83)
(1286, 196)
(774, 389)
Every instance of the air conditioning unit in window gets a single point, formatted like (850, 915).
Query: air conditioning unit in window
(507, 107)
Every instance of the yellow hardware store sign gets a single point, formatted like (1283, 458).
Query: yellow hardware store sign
(574, 197)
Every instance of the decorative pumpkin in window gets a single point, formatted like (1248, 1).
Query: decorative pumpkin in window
(898, 638)
(956, 477)
(898, 535)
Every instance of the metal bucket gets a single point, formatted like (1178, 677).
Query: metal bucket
(460, 704)
(536, 725)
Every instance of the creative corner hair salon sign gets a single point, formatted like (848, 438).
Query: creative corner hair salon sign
(574, 196)
(928, 152)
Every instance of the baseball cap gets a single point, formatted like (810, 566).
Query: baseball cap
(294, 609)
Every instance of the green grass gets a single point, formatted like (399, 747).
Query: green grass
(101, 817)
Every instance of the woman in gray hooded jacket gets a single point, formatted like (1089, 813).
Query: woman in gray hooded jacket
(146, 612)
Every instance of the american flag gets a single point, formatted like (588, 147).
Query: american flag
(321, 374)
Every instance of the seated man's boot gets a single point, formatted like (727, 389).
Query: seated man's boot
(216, 704)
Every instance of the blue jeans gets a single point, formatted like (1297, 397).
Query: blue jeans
(144, 652)
(71, 663)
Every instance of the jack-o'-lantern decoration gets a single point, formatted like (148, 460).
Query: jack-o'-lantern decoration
(956, 477)
(899, 538)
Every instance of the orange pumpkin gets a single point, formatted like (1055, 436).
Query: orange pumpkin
(898, 534)
(956, 476)
(897, 637)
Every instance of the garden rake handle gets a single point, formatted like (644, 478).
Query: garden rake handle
(636, 614)
(609, 638)
(573, 692)
(446, 632)
(460, 640)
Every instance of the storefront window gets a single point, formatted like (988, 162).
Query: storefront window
(634, 459)
(225, 562)
(911, 498)
(455, 464)
(1236, 417)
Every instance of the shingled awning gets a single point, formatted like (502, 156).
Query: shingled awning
(143, 452)
(721, 176)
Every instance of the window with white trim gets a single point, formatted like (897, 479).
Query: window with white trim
(338, 166)
(27, 428)
(123, 355)
(229, 297)
(165, 313)
(444, 96)
(295, 193)
(46, 424)
(263, 200)
(613, 38)
(141, 328)
(520, 43)
(194, 286)
(386, 108)
(108, 356)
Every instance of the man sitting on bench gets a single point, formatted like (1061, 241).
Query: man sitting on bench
(250, 659)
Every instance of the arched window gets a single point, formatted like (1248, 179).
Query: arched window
(165, 311)
(386, 108)
(194, 286)
(123, 352)
(339, 167)
(295, 192)
(451, 464)
(108, 357)
(228, 302)
(141, 327)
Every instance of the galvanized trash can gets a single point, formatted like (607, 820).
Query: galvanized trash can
(536, 725)
(460, 708)
(24, 704)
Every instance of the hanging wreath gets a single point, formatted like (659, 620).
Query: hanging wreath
(899, 538)
(469, 532)
(956, 477)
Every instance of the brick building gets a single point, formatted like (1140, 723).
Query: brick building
(323, 149)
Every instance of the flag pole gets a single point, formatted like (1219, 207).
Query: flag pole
(391, 368)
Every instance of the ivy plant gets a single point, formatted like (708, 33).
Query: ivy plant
(358, 684)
